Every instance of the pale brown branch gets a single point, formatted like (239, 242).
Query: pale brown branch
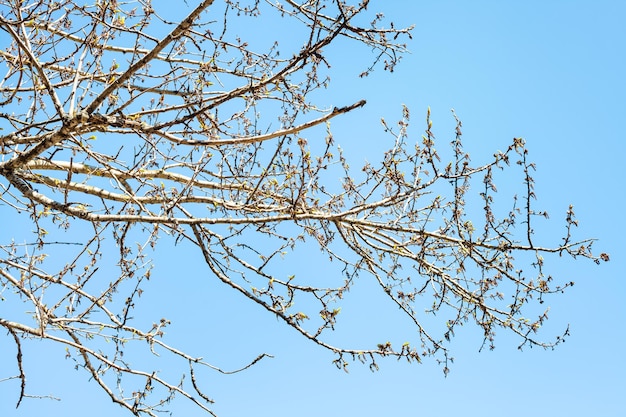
(178, 31)
(258, 138)
(25, 47)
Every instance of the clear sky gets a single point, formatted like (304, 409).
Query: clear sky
(551, 72)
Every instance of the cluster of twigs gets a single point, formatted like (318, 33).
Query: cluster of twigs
(120, 122)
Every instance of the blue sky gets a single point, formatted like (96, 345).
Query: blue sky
(551, 72)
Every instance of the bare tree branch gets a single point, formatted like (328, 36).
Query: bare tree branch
(140, 127)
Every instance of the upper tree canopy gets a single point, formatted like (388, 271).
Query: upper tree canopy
(122, 125)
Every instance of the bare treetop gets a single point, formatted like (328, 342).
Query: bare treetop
(121, 120)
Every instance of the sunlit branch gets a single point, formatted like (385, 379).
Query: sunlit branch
(123, 127)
